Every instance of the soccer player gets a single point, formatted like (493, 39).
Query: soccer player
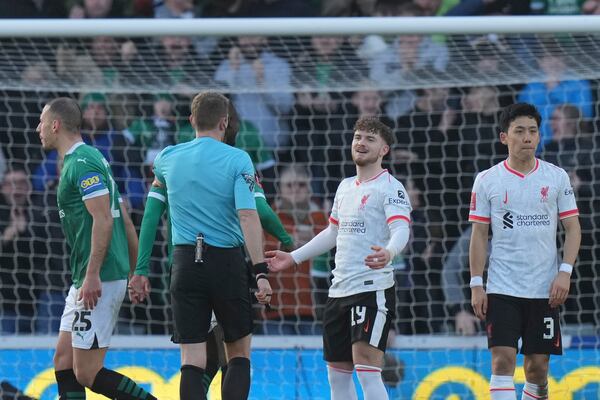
(369, 224)
(522, 198)
(103, 247)
(156, 205)
(213, 214)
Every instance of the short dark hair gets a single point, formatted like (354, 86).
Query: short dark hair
(207, 109)
(233, 125)
(374, 125)
(68, 111)
(514, 111)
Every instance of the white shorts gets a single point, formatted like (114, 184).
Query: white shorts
(92, 329)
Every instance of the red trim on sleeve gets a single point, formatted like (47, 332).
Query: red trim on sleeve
(477, 218)
(333, 221)
(569, 213)
(396, 218)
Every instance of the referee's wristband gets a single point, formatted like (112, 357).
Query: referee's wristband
(476, 281)
(564, 267)
(260, 268)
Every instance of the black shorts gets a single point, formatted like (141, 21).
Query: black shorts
(533, 320)
(360, 317)
(218, 284)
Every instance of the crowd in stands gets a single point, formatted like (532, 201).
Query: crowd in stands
(298, 139)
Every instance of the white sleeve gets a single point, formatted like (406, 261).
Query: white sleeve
(318, 245)
(400, 233)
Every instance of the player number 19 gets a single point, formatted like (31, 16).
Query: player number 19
(358, 315)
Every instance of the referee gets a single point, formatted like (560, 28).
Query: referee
(210, 189)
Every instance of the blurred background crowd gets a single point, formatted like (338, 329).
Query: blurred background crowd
(298, 100)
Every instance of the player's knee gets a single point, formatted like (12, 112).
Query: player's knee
(62, 360)
(536, 372)
(503, 365)
(239, 348)
(365, 354)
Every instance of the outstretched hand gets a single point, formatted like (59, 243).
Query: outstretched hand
(278, 260)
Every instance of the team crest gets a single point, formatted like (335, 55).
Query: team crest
(544, 192)
(363, 202)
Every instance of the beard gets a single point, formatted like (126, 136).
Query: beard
(364, 161)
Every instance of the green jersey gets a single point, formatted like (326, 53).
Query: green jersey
(86, 174)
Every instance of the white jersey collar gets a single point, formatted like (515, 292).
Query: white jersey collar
(72, 149)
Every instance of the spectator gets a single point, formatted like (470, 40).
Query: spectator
(591, 7)
(557, 87)
(456, 266)
(32, 9)
(295, 306)
(348, 8)
(408, 55)
(96, 9)
(264, 81)
(487, 7)
(17, 260)
(163, 128)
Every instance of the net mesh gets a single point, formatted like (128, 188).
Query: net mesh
(299, 98)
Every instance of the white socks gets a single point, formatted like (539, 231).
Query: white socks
(341, 384)
(531, 391)
(371, 382)
(502, 387)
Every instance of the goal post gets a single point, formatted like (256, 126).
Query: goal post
(299, 84)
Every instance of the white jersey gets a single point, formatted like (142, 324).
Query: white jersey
(523, 211)
(362, 212)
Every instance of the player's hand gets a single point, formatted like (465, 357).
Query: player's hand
(139, 288)
(465, 323)
(479, 302)
(559, 290)
(278, 260)
(379, 258)
(263, 295)
(90, 291)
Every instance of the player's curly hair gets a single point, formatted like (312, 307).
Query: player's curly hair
(374, 125)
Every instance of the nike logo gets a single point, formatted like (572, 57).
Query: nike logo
(366, 326)
(557, 343)
(505, 197)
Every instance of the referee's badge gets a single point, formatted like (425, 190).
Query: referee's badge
(250, 181)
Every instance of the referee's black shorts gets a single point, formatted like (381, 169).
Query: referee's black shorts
(218, 284)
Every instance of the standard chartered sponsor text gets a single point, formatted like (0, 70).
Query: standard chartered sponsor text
(533, 220)
(352, 226)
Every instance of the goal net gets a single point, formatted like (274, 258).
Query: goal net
(299, 86)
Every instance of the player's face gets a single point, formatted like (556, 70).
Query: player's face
(368, 148)
(45, 130)
(522, 138)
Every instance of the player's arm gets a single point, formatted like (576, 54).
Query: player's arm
(270, 221)
(250, 226)
(559, 290)
(153, 211)
(478, 249)
(99, 209)
(132, 239)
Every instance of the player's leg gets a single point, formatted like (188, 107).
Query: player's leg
(504, 328)
(215, 356)
(191, 319)
(68, 386)
(372, 316)
(337, 348)
(541, 338)
(236, 384)
(90, 339)
(232, 304)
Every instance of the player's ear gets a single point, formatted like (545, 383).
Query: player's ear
(384, 150)
(503, 136)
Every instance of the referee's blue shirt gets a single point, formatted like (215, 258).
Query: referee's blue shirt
(207, 182)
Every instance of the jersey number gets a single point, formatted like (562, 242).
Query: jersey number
(81, 317)
(358, 315)
(549, 323)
